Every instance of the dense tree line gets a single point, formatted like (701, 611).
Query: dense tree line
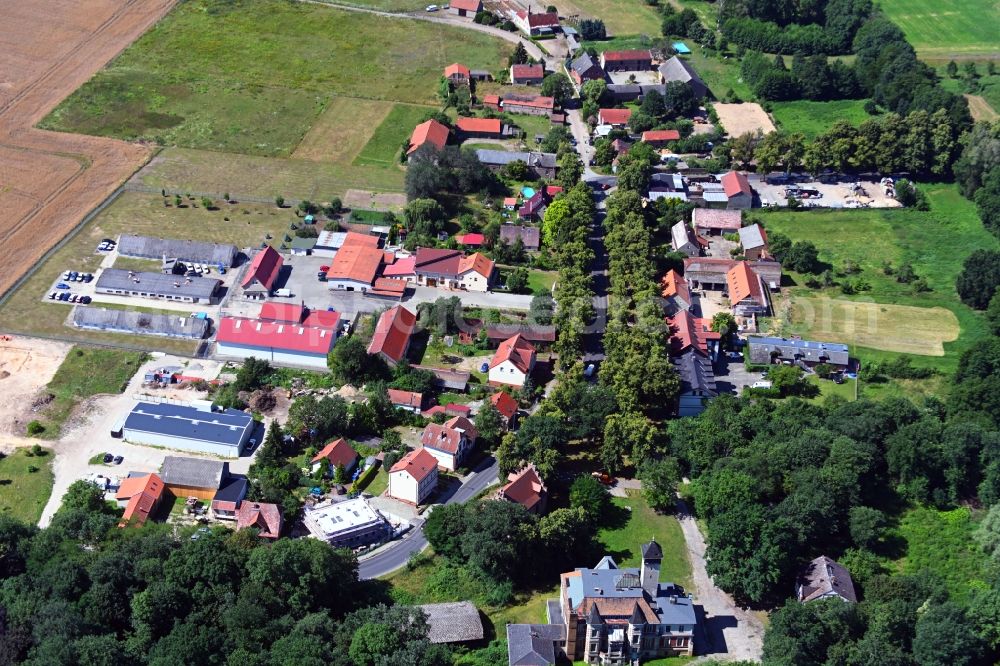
(890, 73)
(780, 483)
(785, 26)
(810, 77)
(978, 172)
(564, 231)
(921, 144)
(637, 368)
(431, 171)
(83, 592)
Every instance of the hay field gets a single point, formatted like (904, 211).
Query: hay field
(897, 328)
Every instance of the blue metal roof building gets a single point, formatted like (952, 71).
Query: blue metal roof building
(187, 428)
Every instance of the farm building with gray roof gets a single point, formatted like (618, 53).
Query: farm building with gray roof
(118, 282)
(147, 247)
(141, 323)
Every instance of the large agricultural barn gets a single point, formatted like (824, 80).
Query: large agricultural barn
(118, 282)
(282, 334)
(146, 247)
(188, 428)
(140, 323)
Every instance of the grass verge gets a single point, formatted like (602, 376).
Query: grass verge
(23, 492)
(84, 373)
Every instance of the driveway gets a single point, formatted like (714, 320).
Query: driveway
(395, 554)
(352, 302)
(731, 375)
(724, 628)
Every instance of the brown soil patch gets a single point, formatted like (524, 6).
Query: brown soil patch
(342, 130)
(26, 367)
(981, 109)
(374, 201)
(49, 181)
(738, 119)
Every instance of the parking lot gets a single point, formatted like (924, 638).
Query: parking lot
(830, 195)
(731, 375)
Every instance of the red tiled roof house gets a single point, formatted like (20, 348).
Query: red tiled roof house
(451, 442)
(506, 406)
(526, 488)
(465, 7)
(414, 477)
(527, 75)
(409, 401)
(738, 190)
(430, 132)
(457, 73)
(336, 453)
(265, 518)
(258, 282)
(627, 61)
(140, 496)
(392, 335)
(747, 294)
(614, 117)
(485, 128)
(513, 362)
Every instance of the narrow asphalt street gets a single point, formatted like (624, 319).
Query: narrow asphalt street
(394, 555)
(593, 345)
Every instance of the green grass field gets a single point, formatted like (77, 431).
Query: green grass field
(812, 118)
(384, 146)
(621, 17)
(643, 523)
(253, 77)
(935, 242)
(86, 372)
(942, 31)
(383, 5)
(23, 493)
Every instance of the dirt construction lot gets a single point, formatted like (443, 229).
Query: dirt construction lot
(26, 366)
(738, 119)
(49, 181)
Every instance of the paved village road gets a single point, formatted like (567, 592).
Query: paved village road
(395, 555)
(727, 629)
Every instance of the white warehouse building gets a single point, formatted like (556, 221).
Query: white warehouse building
(188, 428)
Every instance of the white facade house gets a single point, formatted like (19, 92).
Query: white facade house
(449, 443)
(189, 428)
(414, 477)
(513, 362)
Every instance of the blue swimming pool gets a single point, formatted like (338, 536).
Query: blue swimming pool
(528, 191)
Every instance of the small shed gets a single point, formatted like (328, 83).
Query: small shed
(456, 622)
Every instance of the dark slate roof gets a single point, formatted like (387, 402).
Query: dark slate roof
(455, 622)
(233, 490)
(533, 644)
(696, 374)
(224, 427)
(824, 577)
(157, 283)
(502, 157)
(764, 349)
(652, 551)
(143, 323)
(193, 472)
(676, 69)
(509, 233)
(130, 245)
(583, 64)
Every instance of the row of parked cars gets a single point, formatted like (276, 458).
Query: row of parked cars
(67, 297)
(74, 276)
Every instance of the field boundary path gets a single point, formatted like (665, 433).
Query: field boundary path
(514, 37)
(724, 627)
(48, 180)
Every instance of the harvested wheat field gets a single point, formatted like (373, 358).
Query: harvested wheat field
(898, 328)
(49, 181)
